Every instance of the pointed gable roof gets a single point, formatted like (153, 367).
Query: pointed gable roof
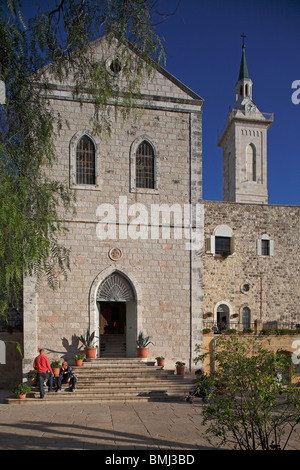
(243, 67)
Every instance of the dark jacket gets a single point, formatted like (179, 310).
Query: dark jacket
(66, 373)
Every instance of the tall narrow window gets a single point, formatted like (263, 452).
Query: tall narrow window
(265, 247)
(85, 161)
(251, 163)
(246, 317)
(145, 166)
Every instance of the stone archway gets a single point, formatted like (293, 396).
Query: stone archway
(222, 313)
(116, 288)
(114, 312)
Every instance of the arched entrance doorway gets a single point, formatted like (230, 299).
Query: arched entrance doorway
(116, 302)
(223, 316)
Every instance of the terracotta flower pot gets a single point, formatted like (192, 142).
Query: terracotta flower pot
(56, 371)
(90, 352)
(180, 370)
(160, 362)
(78, 362)
(142, 352)
(22, 396)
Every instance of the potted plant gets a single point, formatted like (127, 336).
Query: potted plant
(88, 343)
(269, 331)
(224, 254)
(160, 361)
(208, 315)
(207, 331)
(21, 390)
(78, 358)
(180, 367)
(229, 331)
(32, 376)
(55, 366)
(248, 331)
(142, 345)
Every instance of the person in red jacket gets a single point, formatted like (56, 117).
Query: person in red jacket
(44, 371)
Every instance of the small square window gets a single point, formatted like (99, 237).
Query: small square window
(222, 245)
(265, 246)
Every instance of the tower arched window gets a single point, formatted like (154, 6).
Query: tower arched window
(145, 166)
(85, 161)
(251, 162)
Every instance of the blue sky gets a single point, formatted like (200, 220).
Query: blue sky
(204, 48)
(203, 42)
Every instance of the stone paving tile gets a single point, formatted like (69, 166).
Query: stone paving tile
(155, 426)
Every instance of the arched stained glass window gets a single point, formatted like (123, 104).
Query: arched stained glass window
(85, 161)
(145, 166)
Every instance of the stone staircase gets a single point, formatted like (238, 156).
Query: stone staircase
(113, 346)
(123, 379)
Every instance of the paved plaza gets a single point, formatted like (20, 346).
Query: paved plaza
(131, 426)
(109, 426)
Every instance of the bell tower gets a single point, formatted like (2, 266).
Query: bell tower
(244, 144)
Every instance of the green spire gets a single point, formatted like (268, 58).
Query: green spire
(243, 67)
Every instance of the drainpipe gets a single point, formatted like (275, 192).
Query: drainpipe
(215, 351)
(261, 296)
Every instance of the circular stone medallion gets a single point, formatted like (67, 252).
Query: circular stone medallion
(115, 254)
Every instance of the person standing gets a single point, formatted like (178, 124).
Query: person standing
(44, 371)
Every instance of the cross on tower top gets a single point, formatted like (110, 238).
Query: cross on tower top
(243, 36)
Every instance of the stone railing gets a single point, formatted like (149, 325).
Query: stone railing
(247, 115)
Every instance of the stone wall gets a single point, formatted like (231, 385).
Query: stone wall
(159, 267)
(273, 281)
(160, 274)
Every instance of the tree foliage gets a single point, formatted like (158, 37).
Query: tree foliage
(55, 44)
(254, 404)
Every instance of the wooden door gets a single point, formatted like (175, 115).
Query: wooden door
(112, 318)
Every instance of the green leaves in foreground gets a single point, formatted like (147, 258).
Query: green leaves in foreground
(254, 403)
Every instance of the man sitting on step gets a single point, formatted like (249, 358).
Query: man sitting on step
(66, 375)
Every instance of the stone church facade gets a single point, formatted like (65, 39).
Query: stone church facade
(147, 253)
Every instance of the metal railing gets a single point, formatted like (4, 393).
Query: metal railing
(236, 325)
(282, 324)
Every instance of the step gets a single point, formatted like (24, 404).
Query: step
(121, 394)
(117, 362)
(130, 377)
(73, 398)
(112, 346)
(125, 389)
(116, 372)
(122, 379)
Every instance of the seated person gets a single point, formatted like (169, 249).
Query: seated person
(66, 375)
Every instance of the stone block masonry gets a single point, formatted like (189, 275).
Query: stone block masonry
(160, 270)
(273, 279)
